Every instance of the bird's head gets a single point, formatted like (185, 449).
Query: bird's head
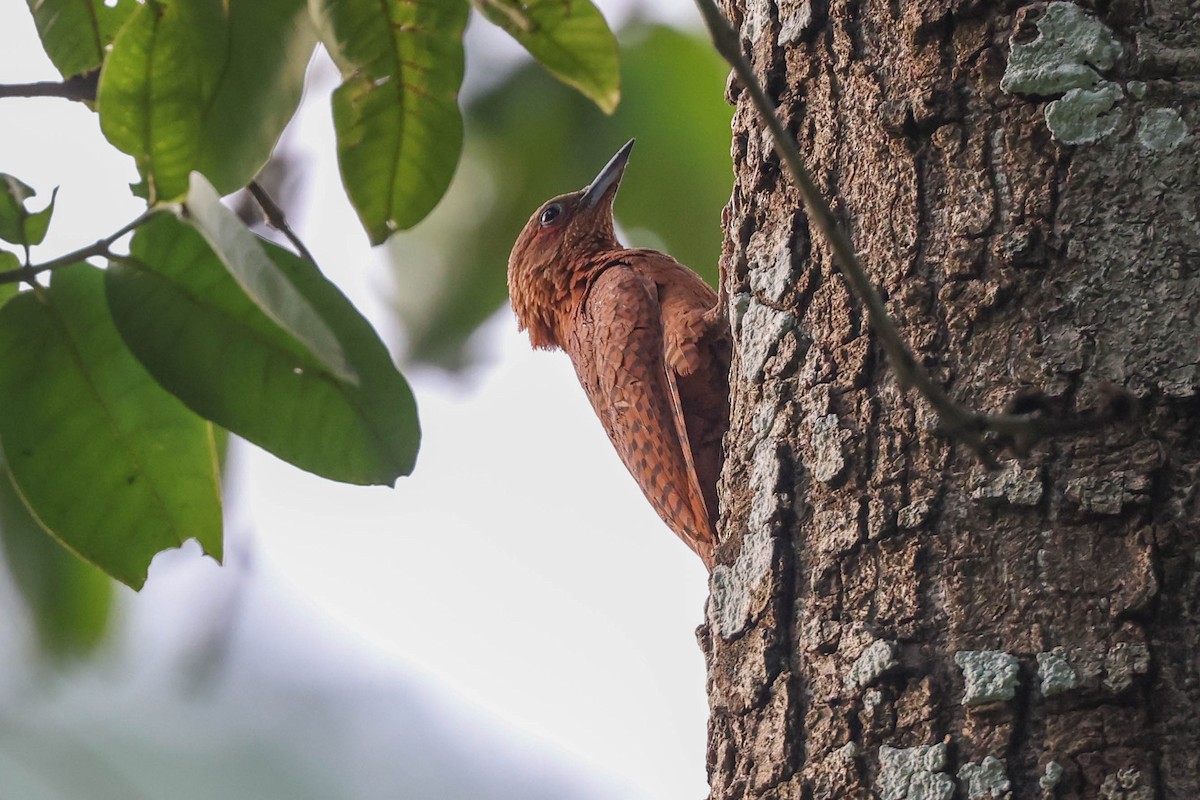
(556, 242)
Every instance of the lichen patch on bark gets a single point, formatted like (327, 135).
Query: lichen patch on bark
(1068, 48)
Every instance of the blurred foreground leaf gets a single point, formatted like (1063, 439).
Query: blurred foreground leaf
(8, 261)
(75, 33)
(69, 600)
(204, 85)
(569, 38)
(112, 465)
(531, 138)
(399, 130)
(202, 337)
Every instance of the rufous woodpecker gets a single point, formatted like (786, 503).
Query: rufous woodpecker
(649, 344)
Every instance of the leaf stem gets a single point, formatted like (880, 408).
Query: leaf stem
(101, 247)
(955, 420)
(277, 220)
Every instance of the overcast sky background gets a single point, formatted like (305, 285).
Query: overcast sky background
(518, 572)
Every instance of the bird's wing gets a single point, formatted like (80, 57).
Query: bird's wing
(619, 357)
(697, 347)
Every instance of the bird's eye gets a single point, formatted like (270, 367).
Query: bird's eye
(549, 214)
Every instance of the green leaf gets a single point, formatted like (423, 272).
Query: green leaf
(208, 343)
(569, 38)
(110, 463)
(205, 85)
(18, 224)
(13, 194)
(38, 222)
(76, 33)
(69, 599)
(242, 254)
(396, 114)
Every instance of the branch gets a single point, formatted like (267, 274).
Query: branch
(1017, 430)
(27, 273)
(276, 219)
(80, 87)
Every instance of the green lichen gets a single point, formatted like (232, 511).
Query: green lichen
(1056, 674)
(772, 275)
(985, 779)
(759, 330)
(1122, 662)
(874, 661)
(1126, 784)
(739, 304)
(990, 675)
(847, 752)
(1161, 129)
(826, 460)
(733, 588)
(1051, 777)
(1083, 116)
(1069, 49)
(1018, 486)
(914, 773)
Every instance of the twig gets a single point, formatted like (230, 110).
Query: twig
(1018, 430)
(101, 247)
(81, 88)
(276, 219)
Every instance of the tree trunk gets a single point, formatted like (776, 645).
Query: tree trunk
(888, 616)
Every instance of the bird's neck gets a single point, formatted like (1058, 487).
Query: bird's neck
(565, 288)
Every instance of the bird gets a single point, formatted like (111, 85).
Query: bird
(649, 340)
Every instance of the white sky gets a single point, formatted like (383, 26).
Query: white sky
(519, 566)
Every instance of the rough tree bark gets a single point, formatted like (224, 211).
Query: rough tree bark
(888, 617)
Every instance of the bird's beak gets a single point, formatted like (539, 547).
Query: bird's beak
(609, 177)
